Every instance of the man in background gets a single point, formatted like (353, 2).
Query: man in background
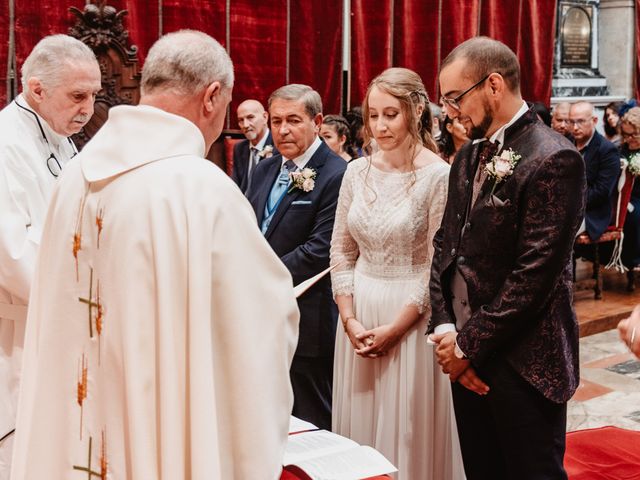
(253, 122)
(560, 119)
(60, 80)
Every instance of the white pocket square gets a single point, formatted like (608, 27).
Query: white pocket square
(301, 202)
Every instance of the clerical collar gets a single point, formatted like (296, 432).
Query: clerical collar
(303, 159)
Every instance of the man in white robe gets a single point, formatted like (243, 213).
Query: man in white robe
(60, 79)
(161, 326)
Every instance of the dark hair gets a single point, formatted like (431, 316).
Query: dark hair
(445, 142)
(542, 111)
(342, 129)
(484, 56)
(354, 118)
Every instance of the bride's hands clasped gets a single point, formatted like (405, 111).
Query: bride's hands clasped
(378, 341)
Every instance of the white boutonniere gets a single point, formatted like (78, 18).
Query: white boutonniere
(266, 152)
(501, 166)
(634, 164)
(303, 180)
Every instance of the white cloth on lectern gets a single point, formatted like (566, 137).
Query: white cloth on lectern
(187, 375)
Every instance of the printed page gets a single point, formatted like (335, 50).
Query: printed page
(359, 462)
(306, 445)
(310, 282)
(298, 425)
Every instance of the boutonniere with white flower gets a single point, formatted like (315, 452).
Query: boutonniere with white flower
(266, 152)
(501, 166)
(303, 180)
(634, 164)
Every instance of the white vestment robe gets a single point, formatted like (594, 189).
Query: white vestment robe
(161, 325)
(25, 188)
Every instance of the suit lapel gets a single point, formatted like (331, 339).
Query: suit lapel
(273, 169)
(315, 162)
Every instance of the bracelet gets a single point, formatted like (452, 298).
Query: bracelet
(345, 320)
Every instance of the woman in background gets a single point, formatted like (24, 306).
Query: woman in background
(388, 390)
(452, 137)
(335, 132)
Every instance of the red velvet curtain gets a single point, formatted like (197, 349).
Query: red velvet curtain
(417, 34)
(416, 30)
(315, 49)
(370, 43)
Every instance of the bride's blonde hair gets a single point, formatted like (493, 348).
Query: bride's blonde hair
(406, 86)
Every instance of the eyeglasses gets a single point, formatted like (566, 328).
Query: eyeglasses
(579, 122)
(52, 162)
(624, 134)
(455, 102)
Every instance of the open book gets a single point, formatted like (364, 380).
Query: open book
(322, 455)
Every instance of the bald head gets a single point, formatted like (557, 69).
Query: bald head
(560, 118)
(583, 122)
(252, 120)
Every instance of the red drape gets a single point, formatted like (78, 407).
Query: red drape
(417, 34)
(535, 50)
(415, 40)
(315, 49)
(370, 43)
(258, 48)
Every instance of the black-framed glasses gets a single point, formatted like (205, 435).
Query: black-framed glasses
(455, 102)
(53, 164)
(634, 135)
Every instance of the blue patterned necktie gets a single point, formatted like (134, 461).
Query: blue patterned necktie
(278, 191)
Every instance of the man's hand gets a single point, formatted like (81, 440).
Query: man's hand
(470, 380)
(445, 353)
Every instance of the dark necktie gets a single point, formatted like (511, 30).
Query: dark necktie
(487, 151)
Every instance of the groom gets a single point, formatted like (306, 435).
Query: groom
(297, 221)
(501, 280)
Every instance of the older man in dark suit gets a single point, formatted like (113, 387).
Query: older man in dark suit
(501, 288)
(253, 122)
(602, 161)
(296, 218)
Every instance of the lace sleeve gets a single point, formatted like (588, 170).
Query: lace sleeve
(435, 210)
(344, 249)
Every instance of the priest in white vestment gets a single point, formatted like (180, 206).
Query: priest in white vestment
(60, 79)
(161, 325)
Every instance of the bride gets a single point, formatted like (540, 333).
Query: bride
(388, 391)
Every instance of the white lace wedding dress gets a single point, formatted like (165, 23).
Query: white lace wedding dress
(400, 403)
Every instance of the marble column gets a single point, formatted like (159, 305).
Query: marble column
(616, 45)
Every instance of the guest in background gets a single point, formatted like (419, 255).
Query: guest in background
(543, 112)
(560, 119)
(452, 137)
(388, 390)
(437, 120)
(356, 126)
(602, 162)
(297, 221)
(336, 134)
(630, 150)
(253, 122)
(610, 122)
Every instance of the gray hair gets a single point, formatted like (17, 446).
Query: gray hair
(297, 92)
(52, 56)
(186, 62)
